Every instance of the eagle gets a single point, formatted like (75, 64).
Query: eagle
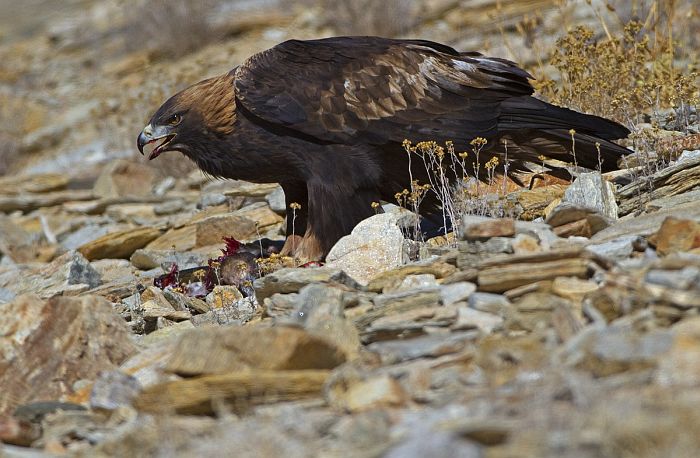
(327, 120)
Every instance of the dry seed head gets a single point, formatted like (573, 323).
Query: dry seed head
(478, 141)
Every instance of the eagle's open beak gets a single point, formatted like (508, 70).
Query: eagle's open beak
(151, 134)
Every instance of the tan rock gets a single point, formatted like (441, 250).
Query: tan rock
(502, 278)
(501, 227)
(125, 178)
(392, 277)
(28, 202)
(580, 228)
(152, 310)
(46, 346)
(242, 224)
(178, 239)
(536, 201)
(230, 349)
(676, 235)
(15, 242)
(572, 288)
(246, 189)
(375, 392)
(238, 391)
(524, 243)
(681, 367)
(119, 245)
(46, 182)
(128, 211)
(68, 274)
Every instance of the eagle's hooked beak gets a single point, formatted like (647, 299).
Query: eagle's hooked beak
(151, 134)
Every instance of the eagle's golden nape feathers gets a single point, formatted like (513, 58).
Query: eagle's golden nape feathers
(326, 119)
(214, 99)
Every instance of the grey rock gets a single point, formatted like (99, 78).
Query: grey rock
(276, 201)
(396, 351)
(495, 245)
(470, 318)
(620, 248)
(321, 311)
(74, 269)
(688, 155)
(436, 443)
(592, 191)
(163, 186)
(609, 350)
(84, 235)
(291, 280)
(217, 317)
(645, 225)
(6, 295)
(489, 303)
(211, 199)
(279, 305)
(68, 274)
(169, 207)
(374, 246)
(413, 298)
(671, 202)
(415, 282)
(28, 202)
(456, 292)
(13, 451)
(146, 259)
(112, 390)
(686, 278)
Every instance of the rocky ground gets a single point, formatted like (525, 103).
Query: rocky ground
(577, 335)
(132, 323)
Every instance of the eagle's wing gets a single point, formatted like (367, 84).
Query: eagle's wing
(373, 90)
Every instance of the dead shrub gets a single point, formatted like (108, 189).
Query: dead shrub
(368, 17)
(171, 28)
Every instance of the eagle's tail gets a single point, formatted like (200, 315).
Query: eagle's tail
(536, 128)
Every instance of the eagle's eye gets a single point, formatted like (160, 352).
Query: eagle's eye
(174, 120)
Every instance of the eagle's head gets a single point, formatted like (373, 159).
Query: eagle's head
(192, 119)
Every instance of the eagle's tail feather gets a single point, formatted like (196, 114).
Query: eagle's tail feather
(531, 113)
(535, 129)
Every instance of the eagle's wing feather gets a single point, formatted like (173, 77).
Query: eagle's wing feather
(348, 90)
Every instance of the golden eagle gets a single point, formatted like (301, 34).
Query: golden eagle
(327, 118)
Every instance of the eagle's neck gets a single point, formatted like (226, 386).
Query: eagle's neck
(248, 153)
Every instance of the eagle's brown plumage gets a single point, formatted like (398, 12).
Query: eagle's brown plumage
(326, 119)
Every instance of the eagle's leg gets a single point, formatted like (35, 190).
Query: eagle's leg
(334, 210)
(295, 199)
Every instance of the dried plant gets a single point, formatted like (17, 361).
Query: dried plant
(368, 17)
(171, 28)
(623, 78)
(452, 181)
